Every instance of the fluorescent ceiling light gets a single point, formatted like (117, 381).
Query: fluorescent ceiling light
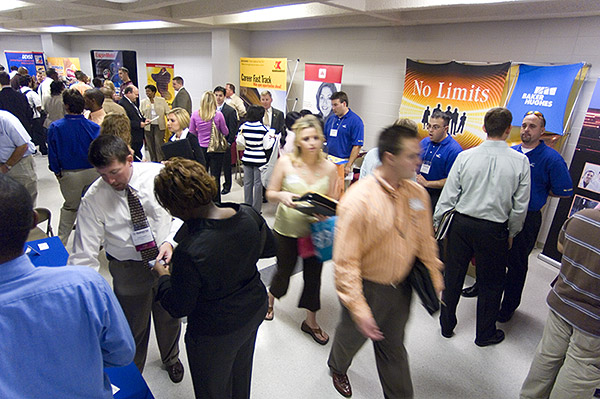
(6, 30)
(122, 1)
(139, 25)
(61, 29)
(6, 5)
(278, 13)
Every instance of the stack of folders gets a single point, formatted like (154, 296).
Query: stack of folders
(313, 203)
(444, 225)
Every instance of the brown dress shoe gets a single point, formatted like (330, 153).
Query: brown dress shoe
(175, 371)
(342, 384)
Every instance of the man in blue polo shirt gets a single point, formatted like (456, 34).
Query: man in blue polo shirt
(549, 177)
(438, 153)
(68, 143)
(344, 131)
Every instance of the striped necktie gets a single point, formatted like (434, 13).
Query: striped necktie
(140, 222)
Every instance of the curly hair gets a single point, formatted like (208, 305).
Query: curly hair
(117, 125)
(184, 185)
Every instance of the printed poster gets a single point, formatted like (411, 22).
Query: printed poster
(32, 60)
(258, 74)
(545, 89)
(65, 66)
(464, 92)
(320, 82)
(161, 76)
(585, 173)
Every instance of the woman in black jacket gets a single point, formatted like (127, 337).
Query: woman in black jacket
(214, 280)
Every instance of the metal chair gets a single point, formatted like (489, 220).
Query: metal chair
(36, 233)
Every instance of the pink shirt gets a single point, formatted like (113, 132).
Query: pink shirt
(201, 129)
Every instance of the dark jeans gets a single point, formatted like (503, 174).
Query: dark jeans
(287, 255)
(488, 241)
(214, 164)
(518, 257)
(390, 307)
(221, 365)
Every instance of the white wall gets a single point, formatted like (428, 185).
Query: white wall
(191, 54)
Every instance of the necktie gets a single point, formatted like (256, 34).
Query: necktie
(138, 217)
(266, 119)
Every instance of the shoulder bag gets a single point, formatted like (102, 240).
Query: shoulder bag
(218, 142)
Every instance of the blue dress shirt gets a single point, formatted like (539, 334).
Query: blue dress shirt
(59, 328)
(441, 157)
(68, 143)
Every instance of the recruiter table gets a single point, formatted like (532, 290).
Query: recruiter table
(127, 382)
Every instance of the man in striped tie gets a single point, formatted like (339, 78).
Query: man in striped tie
(121, 213)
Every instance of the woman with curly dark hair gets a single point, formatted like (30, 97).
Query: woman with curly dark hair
(213, 279)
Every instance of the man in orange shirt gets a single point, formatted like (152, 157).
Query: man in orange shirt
(384, 223)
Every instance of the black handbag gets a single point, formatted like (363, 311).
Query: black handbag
(420, 280)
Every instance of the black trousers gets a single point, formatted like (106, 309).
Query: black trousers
(518, 257)
(221, 365)
(38, 135)
(214, 164)
(227, 169)
(390, 307)
(488, 241)
(287, 255)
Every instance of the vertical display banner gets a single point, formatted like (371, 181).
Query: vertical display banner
(32, 60)
(161, 76)
(464, 92)
(320, 82)
(258, 74)
(545, 89)
(65, 66)
(106, 64)
(585, 173)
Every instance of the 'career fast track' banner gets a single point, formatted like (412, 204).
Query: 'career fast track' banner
(258, 74)
(464, 92)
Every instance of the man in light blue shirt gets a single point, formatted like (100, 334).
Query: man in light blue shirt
(61, 326)
(489, 187)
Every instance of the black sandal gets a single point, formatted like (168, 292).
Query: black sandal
(314, 333)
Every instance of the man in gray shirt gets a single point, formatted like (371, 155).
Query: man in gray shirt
(489, 188)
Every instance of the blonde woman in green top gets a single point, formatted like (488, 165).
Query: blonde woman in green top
(305, 169)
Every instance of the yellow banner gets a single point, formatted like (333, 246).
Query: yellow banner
(264, 73)
(65, 66)
(161, 76)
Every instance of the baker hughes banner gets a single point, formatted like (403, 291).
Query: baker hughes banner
(161, 75)
(258, 74)
(32, 60)
(464, 92)
(545, 89)
(320, 82)
(65, 66)
(585, 173)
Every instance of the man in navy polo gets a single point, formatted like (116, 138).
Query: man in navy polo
(438, 153)
(344, 131)
(549, 177)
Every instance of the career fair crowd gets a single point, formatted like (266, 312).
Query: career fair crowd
(175, 249)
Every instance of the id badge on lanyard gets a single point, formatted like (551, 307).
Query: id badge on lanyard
(143, 239)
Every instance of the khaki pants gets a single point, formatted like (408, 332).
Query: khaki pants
(73, 184)
(136, 287)
(155, 138)
(566, 363)
(24, 173)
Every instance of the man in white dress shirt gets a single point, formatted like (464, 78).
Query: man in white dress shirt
(104, 218)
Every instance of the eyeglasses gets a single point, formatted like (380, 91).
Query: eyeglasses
(434, 127)
(538, 114)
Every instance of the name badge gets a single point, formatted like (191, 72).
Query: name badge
(333, 132)
(143, 239)
(425, 166)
